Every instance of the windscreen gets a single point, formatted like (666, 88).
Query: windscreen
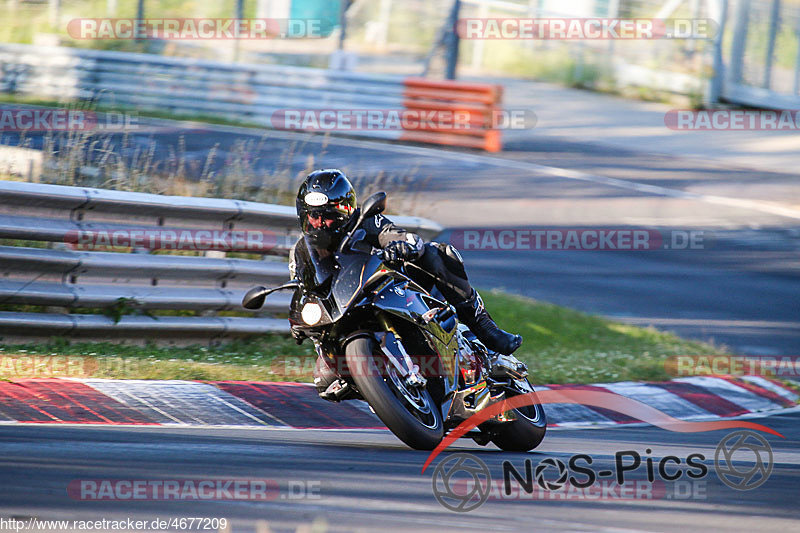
(317, 269)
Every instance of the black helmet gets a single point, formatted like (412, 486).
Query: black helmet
(325, 203)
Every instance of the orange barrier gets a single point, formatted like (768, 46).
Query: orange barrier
(464, 114)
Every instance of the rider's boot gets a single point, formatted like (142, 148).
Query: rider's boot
(473, 313)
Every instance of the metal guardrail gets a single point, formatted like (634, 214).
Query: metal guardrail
(250, 93)
(237, 83)
(69, 279)
(246, 92)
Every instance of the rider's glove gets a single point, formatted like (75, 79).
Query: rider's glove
(298, 335)
(398, 251)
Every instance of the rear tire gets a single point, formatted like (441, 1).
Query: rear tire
(525, 433)
(421, 428)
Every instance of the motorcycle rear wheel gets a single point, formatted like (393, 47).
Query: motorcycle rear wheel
(526, 432)
(411, 414)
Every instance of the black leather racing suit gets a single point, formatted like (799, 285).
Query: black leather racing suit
(441, 266)
(442, 261)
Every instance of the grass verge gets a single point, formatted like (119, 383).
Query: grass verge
(561, 346)
(93, 159)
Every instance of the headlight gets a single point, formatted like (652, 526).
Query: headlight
(311, 313)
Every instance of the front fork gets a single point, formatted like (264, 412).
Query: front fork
(391, 344)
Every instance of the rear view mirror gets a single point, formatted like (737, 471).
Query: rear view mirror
(254, 299)
(373, 205)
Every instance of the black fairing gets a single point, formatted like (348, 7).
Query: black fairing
(354, 287)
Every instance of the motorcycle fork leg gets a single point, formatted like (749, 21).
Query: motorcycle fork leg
(411, 372)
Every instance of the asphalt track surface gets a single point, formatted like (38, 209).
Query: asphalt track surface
(740, 290)
(369, 481)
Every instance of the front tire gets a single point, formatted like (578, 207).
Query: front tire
(411, 414)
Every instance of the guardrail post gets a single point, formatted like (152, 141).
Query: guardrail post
(773, 30)
(796, 85)
(739, 42)
(452, 41)
(718, 76)
(139, 14)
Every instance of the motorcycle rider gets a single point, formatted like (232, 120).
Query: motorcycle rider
(327, 209)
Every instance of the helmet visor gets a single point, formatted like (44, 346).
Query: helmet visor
(318, 219)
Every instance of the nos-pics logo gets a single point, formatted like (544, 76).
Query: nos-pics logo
(743, 460)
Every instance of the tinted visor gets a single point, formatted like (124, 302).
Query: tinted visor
(316, 219)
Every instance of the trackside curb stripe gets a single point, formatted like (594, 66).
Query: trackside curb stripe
(281, 405)
(775, 387)
(732, 393)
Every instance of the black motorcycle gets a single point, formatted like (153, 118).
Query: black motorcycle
(404, 351)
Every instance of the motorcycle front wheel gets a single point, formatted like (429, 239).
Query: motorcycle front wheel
(409, 412)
